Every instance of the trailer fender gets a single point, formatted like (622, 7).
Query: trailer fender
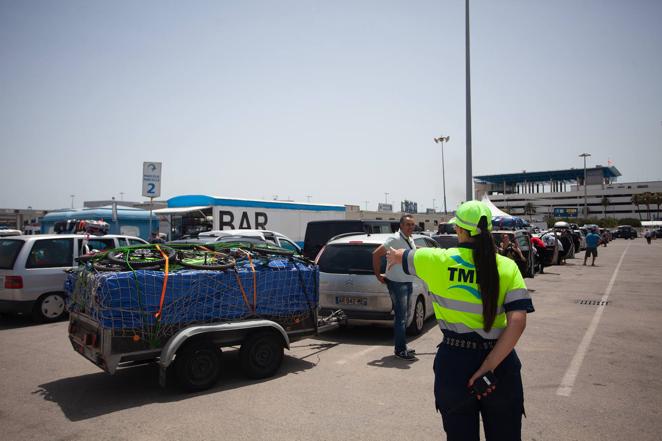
(176, 341)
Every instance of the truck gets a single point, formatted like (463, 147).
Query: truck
(188, 215)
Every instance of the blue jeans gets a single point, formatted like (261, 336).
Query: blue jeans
(400, 295)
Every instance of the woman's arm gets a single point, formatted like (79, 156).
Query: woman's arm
(504, 346)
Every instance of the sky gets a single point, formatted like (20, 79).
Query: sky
(328, 102)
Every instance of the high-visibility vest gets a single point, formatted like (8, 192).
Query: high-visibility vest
(451, 278)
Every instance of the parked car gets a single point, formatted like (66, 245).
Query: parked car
(268, 236)
(625, 232)
(580, 239)
(446, 240)
(523, 238)
(446, 228)
(348, 282)
(32, 270)
(319, 232)
(551, 253)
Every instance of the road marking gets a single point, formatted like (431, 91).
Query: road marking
(357, 355)
(565, 388)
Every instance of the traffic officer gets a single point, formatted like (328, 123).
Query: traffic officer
(480, 302)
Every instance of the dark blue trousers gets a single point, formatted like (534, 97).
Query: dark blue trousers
(501, 410)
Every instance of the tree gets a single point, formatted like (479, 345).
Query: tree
(647, 200)
(636, 200)
(605, 203)
(657, 200)
(530, 210)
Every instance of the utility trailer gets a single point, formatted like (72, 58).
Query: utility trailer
(183, 323)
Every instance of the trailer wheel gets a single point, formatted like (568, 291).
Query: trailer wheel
(198, 366)
(261, 354)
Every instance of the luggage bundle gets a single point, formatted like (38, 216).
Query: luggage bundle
(256, 283)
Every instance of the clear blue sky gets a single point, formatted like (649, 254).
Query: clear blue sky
(337, 100)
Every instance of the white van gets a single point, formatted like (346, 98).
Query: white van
(32, 270)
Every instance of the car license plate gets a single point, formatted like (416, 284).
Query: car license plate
(352, 301)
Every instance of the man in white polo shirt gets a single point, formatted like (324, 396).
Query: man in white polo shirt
(399, 284)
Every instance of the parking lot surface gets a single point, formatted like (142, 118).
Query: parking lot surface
(591, 357)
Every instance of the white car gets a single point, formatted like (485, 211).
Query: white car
(347, 281)
(268, 236)
(32, 270)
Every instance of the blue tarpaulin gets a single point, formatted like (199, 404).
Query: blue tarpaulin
(131, 300)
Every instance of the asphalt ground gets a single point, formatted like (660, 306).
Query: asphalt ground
(591, 372)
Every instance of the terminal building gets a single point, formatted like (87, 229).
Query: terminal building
(564, 194)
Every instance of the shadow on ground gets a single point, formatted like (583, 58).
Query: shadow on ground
(15, 321)
(368, 334)
(92, 395)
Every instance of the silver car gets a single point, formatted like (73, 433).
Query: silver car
(32, 270)
(268, 236)
(347, 281)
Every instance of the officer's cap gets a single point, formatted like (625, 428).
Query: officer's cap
(468, 215)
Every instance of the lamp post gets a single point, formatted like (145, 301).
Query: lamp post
(469, 173)
(72, 200)
(584, 155)
(442, 140)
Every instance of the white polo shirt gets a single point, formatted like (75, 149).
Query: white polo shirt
(397, 241)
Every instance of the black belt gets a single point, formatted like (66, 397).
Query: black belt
(468, 344)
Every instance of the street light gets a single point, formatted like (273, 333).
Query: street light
(72, 200)
(442, 140)
(584, 155)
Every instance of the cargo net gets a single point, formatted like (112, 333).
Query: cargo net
(153, 304)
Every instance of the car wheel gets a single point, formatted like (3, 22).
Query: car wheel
(261, 354)
(49, 308)
(418, 321)
(198, 366)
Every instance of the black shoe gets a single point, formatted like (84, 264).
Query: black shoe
(405, 355)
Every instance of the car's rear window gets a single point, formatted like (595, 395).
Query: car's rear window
(51, 253)
(348, 259)
(9, 249)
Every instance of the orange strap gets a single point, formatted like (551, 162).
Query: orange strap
(243, 292)
(165, 282)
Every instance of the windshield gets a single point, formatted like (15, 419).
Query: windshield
(349, 259)
(9, 249)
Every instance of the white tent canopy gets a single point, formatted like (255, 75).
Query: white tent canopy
(493, 208)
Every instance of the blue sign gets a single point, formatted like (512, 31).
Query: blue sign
(565, 212)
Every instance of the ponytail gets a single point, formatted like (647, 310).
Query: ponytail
(484, 254)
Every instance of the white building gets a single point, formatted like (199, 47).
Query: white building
(561, 193)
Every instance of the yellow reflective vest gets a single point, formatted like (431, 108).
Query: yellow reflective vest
(451, 278)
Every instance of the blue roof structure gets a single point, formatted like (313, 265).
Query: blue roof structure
(572, 174)
(105, 213)
(204, 200)
(136, 219)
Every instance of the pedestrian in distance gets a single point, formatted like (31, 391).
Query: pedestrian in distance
(539, 246)
(648, 235)
(399, 284)
(477, 371)
(510, 249)
(156, 238)
(592, 242)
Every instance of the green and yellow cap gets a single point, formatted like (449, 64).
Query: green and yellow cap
(468, 215)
